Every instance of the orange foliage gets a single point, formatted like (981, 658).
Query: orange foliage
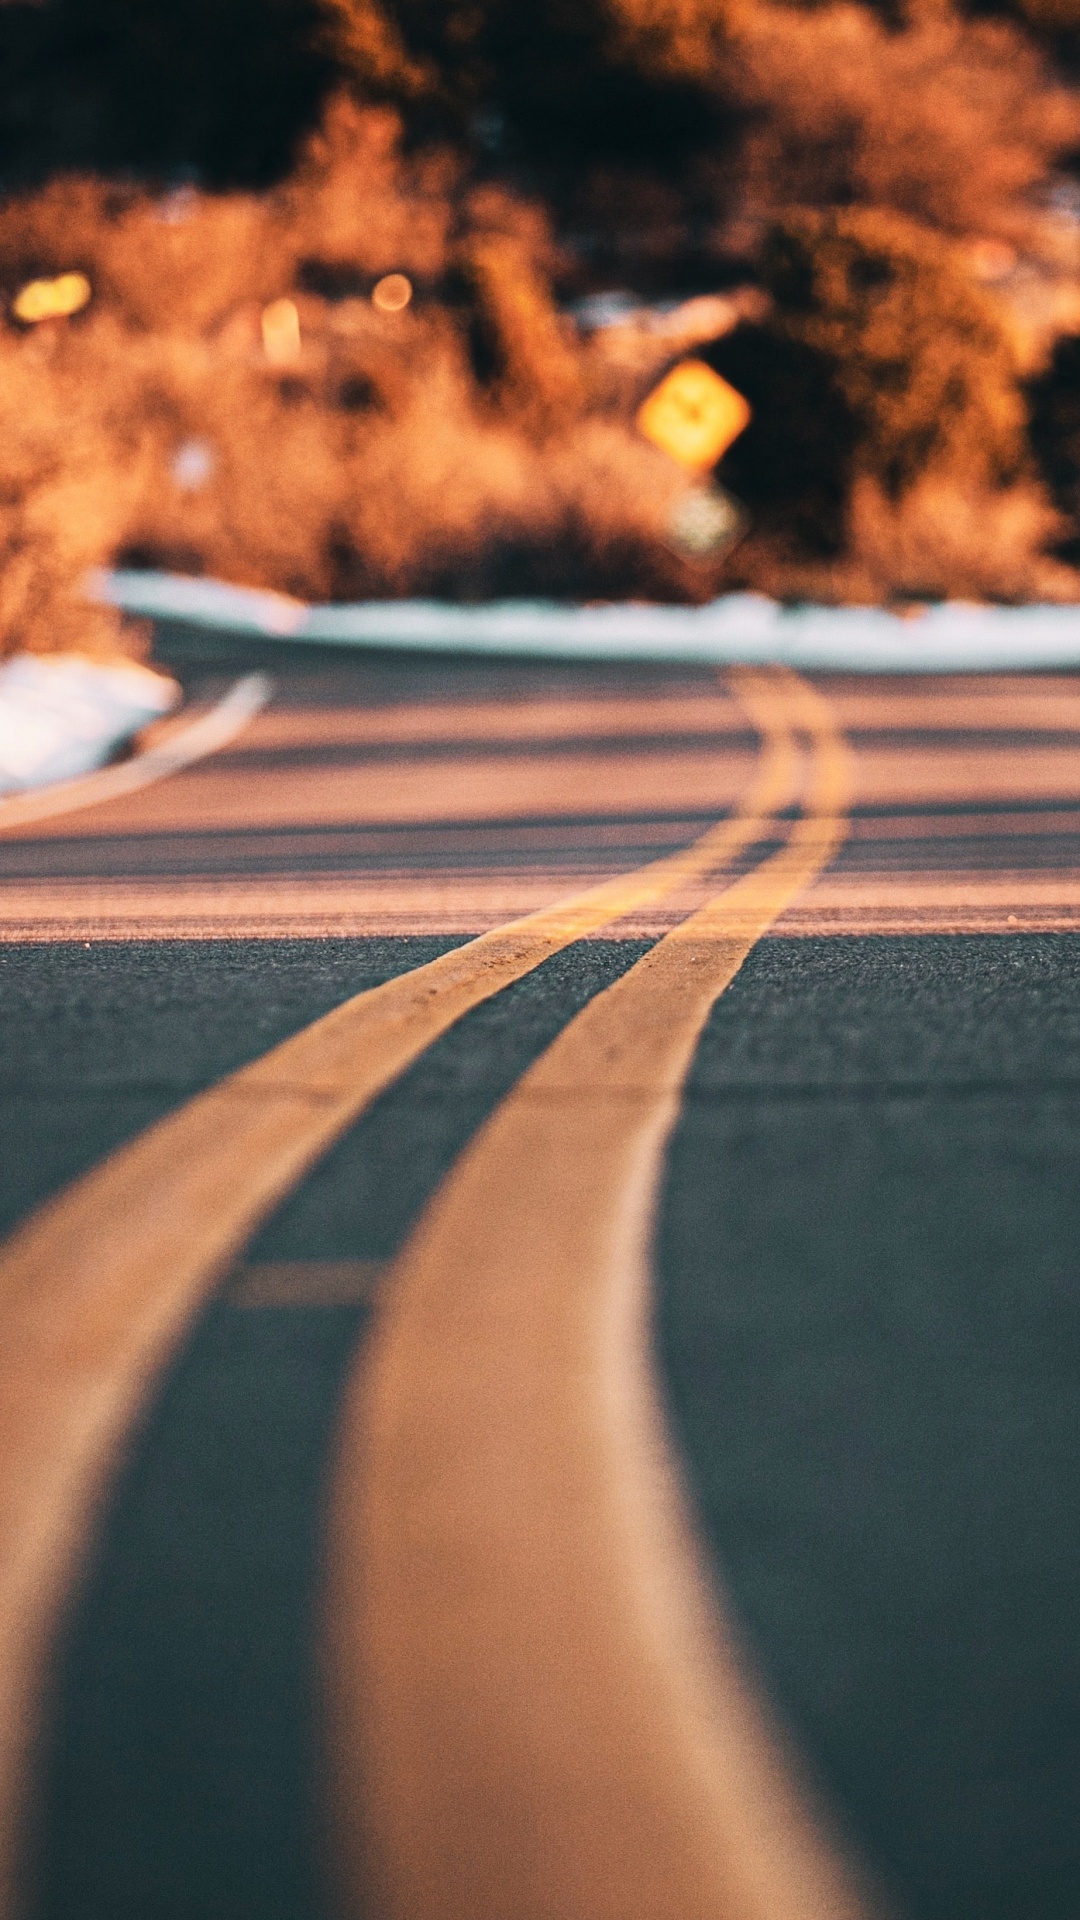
(232, 400)
(468, 443)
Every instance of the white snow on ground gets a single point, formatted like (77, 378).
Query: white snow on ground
(950, 637)
(62, 714)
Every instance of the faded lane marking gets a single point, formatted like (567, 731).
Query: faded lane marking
(202, 736)
(97, 1287)
(535, 1705)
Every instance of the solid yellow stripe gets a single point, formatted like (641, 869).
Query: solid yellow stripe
(97, 1287)
(535, 1706)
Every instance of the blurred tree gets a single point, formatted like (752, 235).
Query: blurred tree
(549, 75)
(218, 88)
(917, 351)
(1054, 399)
(793, 464)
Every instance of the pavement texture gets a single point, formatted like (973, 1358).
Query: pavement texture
(867, 1322)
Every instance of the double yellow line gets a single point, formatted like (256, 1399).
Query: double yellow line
(98, 1287)
(531, 1692)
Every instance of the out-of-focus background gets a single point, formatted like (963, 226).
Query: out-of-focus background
(356, 299)
(571, 304)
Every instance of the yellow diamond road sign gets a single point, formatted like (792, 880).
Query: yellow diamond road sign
(693, 415)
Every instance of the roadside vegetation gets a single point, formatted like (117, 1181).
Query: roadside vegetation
(308, 295)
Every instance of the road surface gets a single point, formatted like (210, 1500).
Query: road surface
(864, 1314)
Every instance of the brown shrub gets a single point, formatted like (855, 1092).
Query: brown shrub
(918, 108)
(793, 466)
(478, 442)
(469, 444)
(919, 353)
(947, 119)
(888, 454)
(1054, 400)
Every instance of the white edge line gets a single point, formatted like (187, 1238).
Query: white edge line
(952, 637)
(201, 736)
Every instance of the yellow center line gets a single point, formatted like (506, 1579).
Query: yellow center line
(535, 1705)
(97, 1287)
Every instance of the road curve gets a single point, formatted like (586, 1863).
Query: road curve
(98, 1287)
(535, 1707)
(876, 1149)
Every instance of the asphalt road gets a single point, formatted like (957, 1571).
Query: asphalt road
(866, 1312)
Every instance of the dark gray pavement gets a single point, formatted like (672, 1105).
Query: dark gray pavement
(869, 1323)
(869, 1329)
(868, 1326)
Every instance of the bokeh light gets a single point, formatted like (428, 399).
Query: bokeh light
(281, 333)
(193, 465)
(392, 293)
(51, 299)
